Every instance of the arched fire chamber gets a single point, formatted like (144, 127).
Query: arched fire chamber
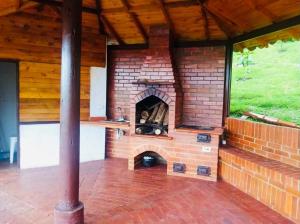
(149, 159)
(152, 117)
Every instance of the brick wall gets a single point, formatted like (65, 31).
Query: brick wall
(273, 142)
(201, 74)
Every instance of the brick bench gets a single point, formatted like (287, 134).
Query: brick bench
(271, 182)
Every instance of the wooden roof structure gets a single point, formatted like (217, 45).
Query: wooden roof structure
(128, 21)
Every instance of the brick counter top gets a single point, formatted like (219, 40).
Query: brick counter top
(215, 131)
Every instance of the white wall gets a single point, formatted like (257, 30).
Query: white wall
(39, 144)
(98, 92)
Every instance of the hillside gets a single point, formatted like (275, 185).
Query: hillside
(272, 84)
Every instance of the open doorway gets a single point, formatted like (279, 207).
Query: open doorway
(9, 131)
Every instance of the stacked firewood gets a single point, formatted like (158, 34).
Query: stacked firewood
(154, 120)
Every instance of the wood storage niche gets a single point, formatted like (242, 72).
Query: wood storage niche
(152, 117)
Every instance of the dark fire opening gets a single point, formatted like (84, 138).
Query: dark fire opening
(158, 160)
(152, 117)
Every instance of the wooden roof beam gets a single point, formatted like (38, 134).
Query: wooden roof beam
(166, 15)
(219, 21)
(240, 28)
(19, 3)
(294, 21)
(136, 21)
(112, 30)
(206, 25)
(100, 23)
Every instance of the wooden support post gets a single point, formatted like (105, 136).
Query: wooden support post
(69, 209)
(227, 80)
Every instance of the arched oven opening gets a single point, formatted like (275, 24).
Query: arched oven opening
(150, 159)
(152, 117)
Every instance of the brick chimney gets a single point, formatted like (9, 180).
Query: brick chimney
(158, 64)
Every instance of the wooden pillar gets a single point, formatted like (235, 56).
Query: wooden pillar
(69, 209)
(227, 80)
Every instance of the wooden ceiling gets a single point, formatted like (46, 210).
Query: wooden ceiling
(128, 21)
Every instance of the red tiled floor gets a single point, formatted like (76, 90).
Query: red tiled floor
(112, 194)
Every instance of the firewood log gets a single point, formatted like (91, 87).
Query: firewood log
(166, 118)
(153, 115)
(139, 131)
(145, 115)
(157, 131)
(160, 113)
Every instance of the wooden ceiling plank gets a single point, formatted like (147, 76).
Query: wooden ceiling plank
(136, 21)
(261, 8)
(112, 30)
(20, 5)
(167, 5)
(166, 15)
(60, 4)
(147, 7)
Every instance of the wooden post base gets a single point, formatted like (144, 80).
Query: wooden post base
(75, 216)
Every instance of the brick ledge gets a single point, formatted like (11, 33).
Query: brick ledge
(280, 167)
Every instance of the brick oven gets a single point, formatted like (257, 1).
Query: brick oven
(158, 110)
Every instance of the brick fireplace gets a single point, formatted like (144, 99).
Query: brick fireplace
(157, 79)
(187, 85)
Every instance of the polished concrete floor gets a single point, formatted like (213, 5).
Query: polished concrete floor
(112, 194)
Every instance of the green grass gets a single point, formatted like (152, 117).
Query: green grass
(272, 87)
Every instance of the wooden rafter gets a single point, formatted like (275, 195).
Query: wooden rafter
(241, 28)
(100, 23)
(166, 15)
(19, 6)
(112, 30)
(19, 3)
(104, 23)
(222, 25)
(294, 21)
(206, 25)
(136, 21)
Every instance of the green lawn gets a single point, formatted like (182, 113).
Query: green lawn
(272, 86)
